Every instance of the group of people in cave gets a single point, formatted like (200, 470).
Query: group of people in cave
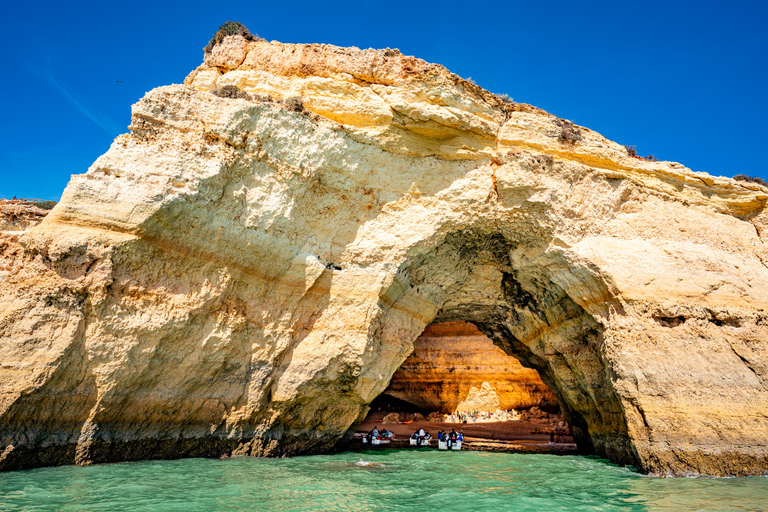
(473, 415)
(556, 436)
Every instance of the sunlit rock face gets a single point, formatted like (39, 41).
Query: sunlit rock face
(238, 277)
(454, 366)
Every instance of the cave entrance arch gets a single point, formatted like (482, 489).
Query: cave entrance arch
(519, 297)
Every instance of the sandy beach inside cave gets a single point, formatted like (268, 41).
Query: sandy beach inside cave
(507, 436)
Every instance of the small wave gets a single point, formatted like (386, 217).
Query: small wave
(368, 464)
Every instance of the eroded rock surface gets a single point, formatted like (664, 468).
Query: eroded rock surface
(236, 277)
(18, 215)
(454, 366)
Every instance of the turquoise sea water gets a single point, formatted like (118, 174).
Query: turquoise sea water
(397, 480)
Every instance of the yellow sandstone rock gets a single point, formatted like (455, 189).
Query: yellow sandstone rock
(237, 277)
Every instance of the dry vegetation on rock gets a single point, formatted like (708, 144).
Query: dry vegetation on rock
(751, 179)
(231, 91)
(230, 28)
(569, 133)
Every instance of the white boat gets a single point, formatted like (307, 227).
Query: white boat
(416, 442)
(447, 445)
(376, 441)
(383, 437)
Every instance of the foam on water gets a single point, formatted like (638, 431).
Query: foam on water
(381, 480)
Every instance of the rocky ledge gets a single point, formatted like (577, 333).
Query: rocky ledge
(244, 276)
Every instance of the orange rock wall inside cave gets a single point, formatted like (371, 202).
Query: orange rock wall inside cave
(455, 367)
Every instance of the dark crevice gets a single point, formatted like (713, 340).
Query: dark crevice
(517, 296)
(749, 365)
(669, 321)
(720, 320)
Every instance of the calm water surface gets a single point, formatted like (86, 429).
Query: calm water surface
(397, 480)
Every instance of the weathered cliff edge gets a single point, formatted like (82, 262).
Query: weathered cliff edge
(236, 277)
(454, 366)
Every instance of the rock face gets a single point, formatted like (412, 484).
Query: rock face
(16, 216)
(454, 366)
(235, 276)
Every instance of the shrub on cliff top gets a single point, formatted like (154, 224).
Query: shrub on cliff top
(568, 132)
(231, 28)
(231, 91)
(631, 150)
(296, 104)
(751, 179)
(46, 205)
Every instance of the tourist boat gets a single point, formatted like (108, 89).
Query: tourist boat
(424, 441)
(378, 440)
(443, 445)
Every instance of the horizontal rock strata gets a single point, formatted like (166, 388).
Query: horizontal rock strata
(244, 277)
(454, 366)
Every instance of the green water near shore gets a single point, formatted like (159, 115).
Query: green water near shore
(397, 480)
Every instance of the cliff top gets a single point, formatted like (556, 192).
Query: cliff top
(414, 108)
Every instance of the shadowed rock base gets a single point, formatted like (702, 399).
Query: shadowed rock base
(720, 464)
(99, 452)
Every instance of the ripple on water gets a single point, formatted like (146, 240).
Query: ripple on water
(381, 480)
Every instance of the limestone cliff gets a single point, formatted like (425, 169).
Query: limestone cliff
(453, 367)
(236, 276)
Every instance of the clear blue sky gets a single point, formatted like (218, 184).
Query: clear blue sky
(685, 81)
